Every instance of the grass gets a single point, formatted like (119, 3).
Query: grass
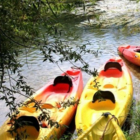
(134, 132)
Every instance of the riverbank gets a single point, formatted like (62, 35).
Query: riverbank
(113, 13)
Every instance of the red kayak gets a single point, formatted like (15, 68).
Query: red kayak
(131, 53)
(55, 97)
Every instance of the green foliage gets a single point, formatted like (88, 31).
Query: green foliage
(67, 136)
(135, 118)
(22, 21)
(67, 53)
(134, 123)
(134, 136)
(69, 102)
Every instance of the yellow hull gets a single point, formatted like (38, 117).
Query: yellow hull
(110, 92)
(115, 132)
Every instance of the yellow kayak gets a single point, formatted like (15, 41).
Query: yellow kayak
(57, 99)
(106, 96)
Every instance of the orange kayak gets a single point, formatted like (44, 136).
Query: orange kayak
(105, 103)
(131, 53)
(57, 98)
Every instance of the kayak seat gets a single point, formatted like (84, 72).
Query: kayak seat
(63, 79)
(102, 100)
(58, 91)
(137, 50)
(111, 73)
(27, 120)
(27, 125)
(115, 65)
(103, 95)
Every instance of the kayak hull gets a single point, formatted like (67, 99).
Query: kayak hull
(111, 92)
(131, 53)
(51, 96)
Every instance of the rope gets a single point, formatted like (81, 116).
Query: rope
(113, 117)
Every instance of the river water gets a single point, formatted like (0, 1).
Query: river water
(38, 73)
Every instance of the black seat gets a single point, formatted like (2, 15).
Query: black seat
(102, 95)
(27, 120)
(63, 79)
(113, 65)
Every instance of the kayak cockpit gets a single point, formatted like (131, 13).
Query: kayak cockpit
(62, 81)
(102, 105)
(103, 100)
(58, 90)
(25, 126)
(111, 65)
(112, 69)
(137, 50)
(103, 95)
